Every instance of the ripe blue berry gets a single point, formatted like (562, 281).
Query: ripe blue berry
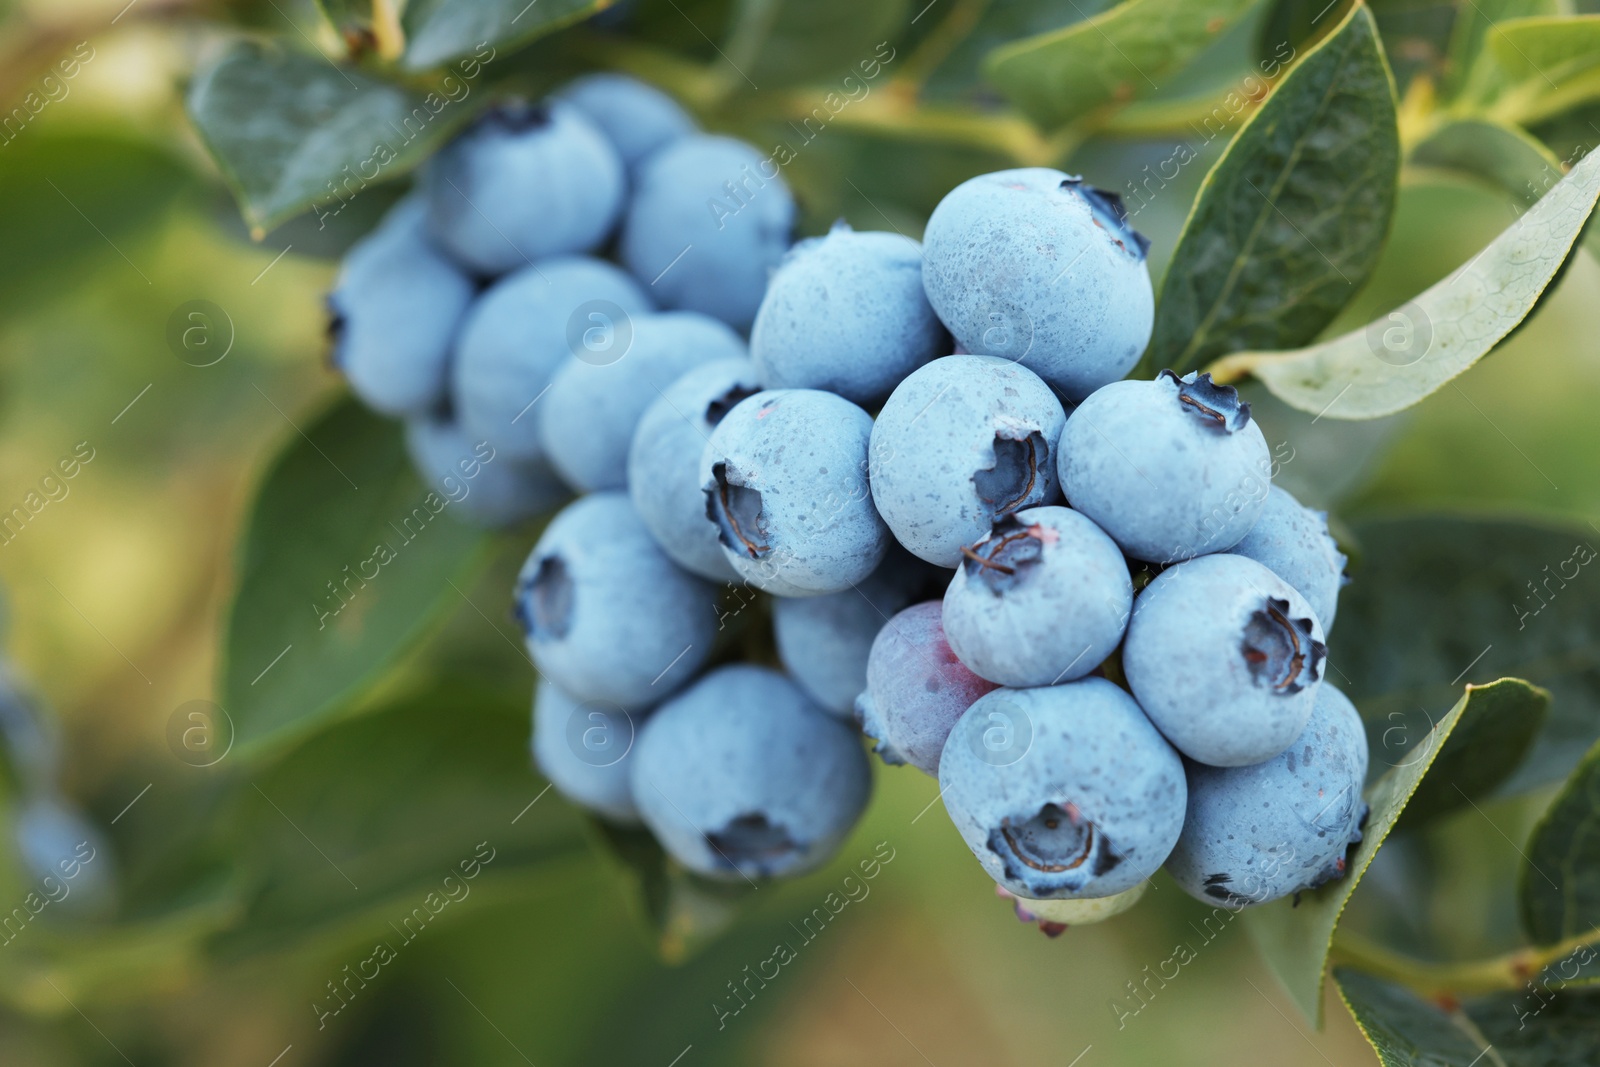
(742, 776)
(705, 226)
(593, 407)
(525, 182)
(1293, 542)
(1036, 266)
(585, 749)
(664, 462)
(1226, 658)
(1043, 599)
(636, 118)
(785, 480)
(1261, 832)
(1063, 791)
(484, 485)
(962, 443)
(394, 312)
(1171, 468)
(607, 615)
(846, 313)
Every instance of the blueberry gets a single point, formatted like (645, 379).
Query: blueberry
(846, 312)
(824, 641)
(1171, 468)
(525, 182)
(1293, 542)
(664, 462)
(1036, 266)
(962, 443)
(1063, 791)
(475, 479)
(742, 776)
(785, 480)
(593, 408)
(585, 749)
(57, 842)
(1043, 599)
(916, 689)
(394, 312)
(636, 118)
(607, 615)
(1261, 832)
(1226, 658)
(705, 226)
(521, 330)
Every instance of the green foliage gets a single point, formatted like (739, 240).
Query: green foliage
(1405, 1030)
(1396, 362)
(776, 43)
(1295, 934)
(1514, 593)
(438, 31)
(290, 130)
(1110, 59)
(1560, 882)
(1290, 221)
(347, 560)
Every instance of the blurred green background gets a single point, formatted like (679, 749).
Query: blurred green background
(248, 888)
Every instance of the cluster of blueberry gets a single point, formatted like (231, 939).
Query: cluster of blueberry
(1073, 598)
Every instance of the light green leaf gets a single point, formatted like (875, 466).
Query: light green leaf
(776, 43)
(289, 130)
(1294, 934)
(1552, 50)
(1559, 888)
(1290, 221)
(1399, 360)
(442, 30)
(1115, 57)
(1472, 73)
(1513, 594)
(1504, 156)
(1404, 1029)
(320, 612)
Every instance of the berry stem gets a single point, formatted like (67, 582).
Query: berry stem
(1513, 970)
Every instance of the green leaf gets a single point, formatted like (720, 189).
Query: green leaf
(1488, 745)
(787, 42)
(1290, 221)
(1397, 361)
(1472, 73)
(956, 66)
(360, 823)
(1294, 934)
(346, 561)
(442, 30)
(1404, 1029)
(1504, 156)
(289, 130)
(1559, 889)
(1515, 607)
(1110, 59)
(1547, 1029)
(1551, 55)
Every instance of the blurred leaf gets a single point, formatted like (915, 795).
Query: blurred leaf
(347, 560)
(1400, 665)
(1571, 134)
(290, 130)
(1404, 1029)
(1299, 24)
(1294, 933)
(682, 912)
(57, 208)
(1290, 221)
(1551, 56)
(362, 822)
(1471, 72)
(788, 42)
(957, 61)
(1061, 77)
(1422, 345)
(1488, 745)
(1504, 156)
(1560, 1030)
(441, 30)
(1560, 881)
